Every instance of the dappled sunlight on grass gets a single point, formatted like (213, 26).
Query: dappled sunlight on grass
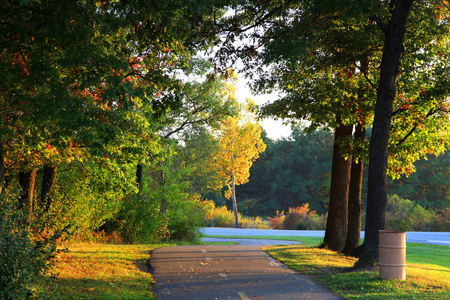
(102, 271)
(424, 281)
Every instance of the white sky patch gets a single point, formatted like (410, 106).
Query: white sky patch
(274, 128)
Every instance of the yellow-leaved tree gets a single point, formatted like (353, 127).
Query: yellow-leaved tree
(240, 145)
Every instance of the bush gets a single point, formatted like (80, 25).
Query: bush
(277, 221)
(140, 221)
(442, 222)
(301, 218)
(225, 218)
(221, 215)
(184, 217)
(26, 255)
(405, 215)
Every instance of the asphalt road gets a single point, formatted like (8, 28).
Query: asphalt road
(228, 272)
(437, 238)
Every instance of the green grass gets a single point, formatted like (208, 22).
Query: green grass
(107, 271)
(104, 271)
(425, 279)
(428, 270)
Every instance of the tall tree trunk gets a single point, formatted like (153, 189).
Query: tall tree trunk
(139, 171)
(336, 229)
(48, 186)
(27, 182)
(233, 196)
(354, 199)
(378, 158)
(2, 167)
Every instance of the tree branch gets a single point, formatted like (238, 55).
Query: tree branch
(379, 22)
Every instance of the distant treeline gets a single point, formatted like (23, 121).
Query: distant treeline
(296, 170)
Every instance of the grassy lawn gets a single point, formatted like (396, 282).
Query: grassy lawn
(107, 271)
(104, 271)
(427, 272)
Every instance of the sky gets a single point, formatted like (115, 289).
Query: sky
(275, 129)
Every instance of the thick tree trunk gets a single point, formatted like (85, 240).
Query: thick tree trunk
(48, 187)
(354, 199)
(27, 182)
(336, 229)
(2, 167)
(378, 159)
(139, 171)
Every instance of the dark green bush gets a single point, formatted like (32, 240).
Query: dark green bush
(27, 253)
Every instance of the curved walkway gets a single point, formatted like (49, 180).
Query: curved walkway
(228, 272)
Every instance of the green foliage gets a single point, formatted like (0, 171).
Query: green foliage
(405, 215)
(88, 194)
(301, 218)
(291, 172)
(223, 217)
(428, 186)
(27, 253)
(140, 220)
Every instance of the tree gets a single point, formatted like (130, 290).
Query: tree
(327, 41)
(240, 144)
(291, 172)
(390, 67)
(74, 73)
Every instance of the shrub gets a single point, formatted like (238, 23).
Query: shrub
(405, 215)
(183, 219)
(26, 253)
(225, 218)
(313, 222)
(301, 218)
(222, 216)
(442, 221)
(253, 222)
(277, 221)
(140, 220)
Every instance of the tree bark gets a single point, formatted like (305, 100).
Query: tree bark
(27, 182)
(378, 158)
(48, 186)
(2, 168)
(354, 199)
(336, 229)
(233, 197)
(139, 171)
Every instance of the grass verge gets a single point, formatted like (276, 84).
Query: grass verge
(104, 271)
(425, 279)
(427, 271)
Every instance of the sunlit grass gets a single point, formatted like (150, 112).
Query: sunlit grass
(424, 281)
(102, 271)
(106, 271)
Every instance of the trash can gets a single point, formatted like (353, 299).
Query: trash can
(392, 249)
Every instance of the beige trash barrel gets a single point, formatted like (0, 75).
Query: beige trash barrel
(392, 260)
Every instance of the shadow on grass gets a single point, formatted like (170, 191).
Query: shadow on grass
(124, 288)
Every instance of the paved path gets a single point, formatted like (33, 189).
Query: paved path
(228, 272)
